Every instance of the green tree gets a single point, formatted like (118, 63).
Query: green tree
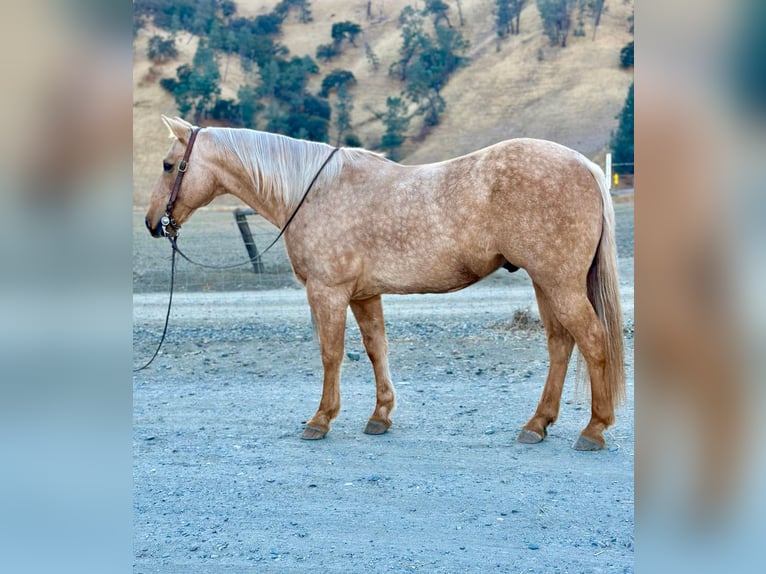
(626, 56)
(508, 16)
(195, 16)
(310, 120)
(303, 6)
(289, 78)
(426, 62)
(161, 49)
(205, 78)
(622, 140)
(195, 87)
(288, 107)
(274, 118)
(430, 70)
(413, 37)
(396, 122)
(516, 7)
(327, 52)
(278, 98)
(352, 140)
(340, 31)
(179, 88)
(344, 105)
(439, 10)
(228, 8)
(345, 31)
(336, 79)
(226, 110)
(249, 106)
(253, 39)
(265, 24)
(503, 18)
(557, 19)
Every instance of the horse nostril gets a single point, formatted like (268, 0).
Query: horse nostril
(155, 231)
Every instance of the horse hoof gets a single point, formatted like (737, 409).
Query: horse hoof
(313, 433)
(585, 443)
(529, 437)
(375, 427)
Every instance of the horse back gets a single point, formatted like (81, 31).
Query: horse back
(442, 226)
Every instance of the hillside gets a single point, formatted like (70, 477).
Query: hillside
(524, 88)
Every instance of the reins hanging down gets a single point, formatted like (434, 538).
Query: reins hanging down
(250, 260)
(168, 221)
(167, 314)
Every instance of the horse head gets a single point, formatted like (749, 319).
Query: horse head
(166, 214)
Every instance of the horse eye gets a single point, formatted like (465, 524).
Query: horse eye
(168, 167)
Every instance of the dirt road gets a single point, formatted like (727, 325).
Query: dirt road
(224, 484)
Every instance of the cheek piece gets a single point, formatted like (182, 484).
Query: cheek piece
(167, 222)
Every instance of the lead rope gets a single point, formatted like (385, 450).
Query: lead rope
(167, 315)
(175, 249)
(277, 238)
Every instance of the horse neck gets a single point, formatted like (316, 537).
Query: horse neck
(268, 172)
(238, 183)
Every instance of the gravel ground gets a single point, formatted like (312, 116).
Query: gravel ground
(224, 484)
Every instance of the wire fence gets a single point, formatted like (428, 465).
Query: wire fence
(212, 236)
(620, 175)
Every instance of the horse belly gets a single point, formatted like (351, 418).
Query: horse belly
(442, 273)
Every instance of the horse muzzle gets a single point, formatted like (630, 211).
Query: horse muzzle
(154, 230)
(165, 227)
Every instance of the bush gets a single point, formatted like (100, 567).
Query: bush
(345, 31)
(352, 140)
(227, 111)
(626, 56)
(327, 52)
(335, 79)
(303, 7)
(161, 50)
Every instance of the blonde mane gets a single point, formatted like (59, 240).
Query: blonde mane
(280, 167)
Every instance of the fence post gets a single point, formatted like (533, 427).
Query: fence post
(247, 237)
(608, 171)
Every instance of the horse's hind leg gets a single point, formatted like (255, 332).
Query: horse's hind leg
(329, 309)
(369, 315)
(560, 344)
(576, 314)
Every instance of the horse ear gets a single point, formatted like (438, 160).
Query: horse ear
(178, 128)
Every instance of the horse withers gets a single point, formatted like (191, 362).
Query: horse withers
(370, 226)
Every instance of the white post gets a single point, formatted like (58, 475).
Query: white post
(608, 171)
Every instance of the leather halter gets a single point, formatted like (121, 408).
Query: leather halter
(167, 219)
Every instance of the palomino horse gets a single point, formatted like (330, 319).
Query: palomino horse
(370, 226)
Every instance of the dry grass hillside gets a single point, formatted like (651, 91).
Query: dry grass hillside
(520, 88)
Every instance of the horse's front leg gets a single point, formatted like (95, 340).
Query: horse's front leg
(329, 309)
(369, 316)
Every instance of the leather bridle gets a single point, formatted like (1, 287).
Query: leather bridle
(167, 219)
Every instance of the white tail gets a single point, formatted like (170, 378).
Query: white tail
(604, 295)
